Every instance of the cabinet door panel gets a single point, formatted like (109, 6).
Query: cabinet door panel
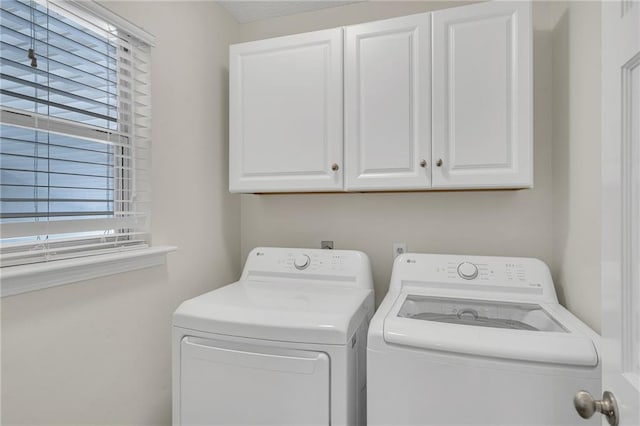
(482, 104)
(387, 100)
(286, 113)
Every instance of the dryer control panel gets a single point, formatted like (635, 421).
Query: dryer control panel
(483, 274)
(320, 261)
(350, 267)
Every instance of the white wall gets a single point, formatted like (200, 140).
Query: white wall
(98, 352)
(350, 14)
(576, 156)
(514, 223)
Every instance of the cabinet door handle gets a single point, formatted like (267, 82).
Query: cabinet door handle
(439, 162)
(335, 167)
(423, 163)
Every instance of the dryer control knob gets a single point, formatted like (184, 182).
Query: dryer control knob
(301, 261)
(467, 270)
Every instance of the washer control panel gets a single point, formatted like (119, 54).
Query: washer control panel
(514, 272)
(476, 273)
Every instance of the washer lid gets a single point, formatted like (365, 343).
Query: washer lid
(479, 313)
(501, 329)
(286, 311)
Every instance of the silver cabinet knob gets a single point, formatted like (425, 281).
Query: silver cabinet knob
(586, 406)
(335, 167)
(423, 163)
(439, 162)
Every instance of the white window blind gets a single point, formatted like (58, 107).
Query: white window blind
(74, 133)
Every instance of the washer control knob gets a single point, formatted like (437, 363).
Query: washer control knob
(301, 261)
(467, 270)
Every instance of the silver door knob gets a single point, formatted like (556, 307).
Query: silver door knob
(335, 167)
(586, 406)
(423, 163)
(439, 162)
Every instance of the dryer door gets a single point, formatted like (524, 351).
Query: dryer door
(226, 383)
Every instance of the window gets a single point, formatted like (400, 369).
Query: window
(74, 132)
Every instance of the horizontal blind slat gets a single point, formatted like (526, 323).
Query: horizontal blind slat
(15, 249)
(6, 186)
(7, 257)
(59, 145)
(65, 160)
(22, 229)
(83, 251)
(55, 127)
(66, 107)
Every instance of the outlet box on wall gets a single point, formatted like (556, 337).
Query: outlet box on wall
(398, 249)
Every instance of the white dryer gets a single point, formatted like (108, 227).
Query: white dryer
(468, 340)
(285, 345)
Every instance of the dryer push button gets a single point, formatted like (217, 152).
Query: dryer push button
(467, 270)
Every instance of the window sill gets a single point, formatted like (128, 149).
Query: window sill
(25, 278)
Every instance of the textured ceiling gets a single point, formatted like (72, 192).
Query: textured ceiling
(249, 11)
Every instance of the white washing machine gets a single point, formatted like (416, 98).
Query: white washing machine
(468, 340)
(285, 345)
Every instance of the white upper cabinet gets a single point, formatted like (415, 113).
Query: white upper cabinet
(482, 96)
(439, 100)
(286, 114)
(388, 104)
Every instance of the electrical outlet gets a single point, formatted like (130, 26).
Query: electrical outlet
(398, 249)
(326, 245)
